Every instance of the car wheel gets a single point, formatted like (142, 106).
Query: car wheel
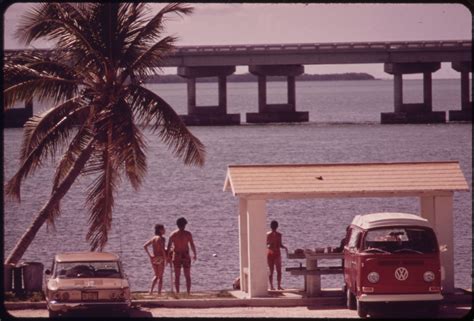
(126, 313)
(362, 309)
(53, 314)
(350, 300)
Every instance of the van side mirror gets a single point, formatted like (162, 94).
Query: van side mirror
(443, 248)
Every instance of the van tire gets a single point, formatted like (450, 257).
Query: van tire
(362, 310)
(350, 300)
(433, 309)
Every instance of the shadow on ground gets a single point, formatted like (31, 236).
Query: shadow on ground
(93, 313)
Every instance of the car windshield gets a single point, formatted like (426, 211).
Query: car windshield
(400, 239)
(86, 269)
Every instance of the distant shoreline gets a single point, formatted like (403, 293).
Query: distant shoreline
(247, 77)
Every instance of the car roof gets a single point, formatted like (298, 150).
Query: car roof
(388, 219)
(85, 256)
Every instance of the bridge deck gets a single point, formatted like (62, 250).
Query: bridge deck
(315, 53)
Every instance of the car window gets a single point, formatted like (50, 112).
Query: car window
(354, 238)
(85, 269)
(401, 239)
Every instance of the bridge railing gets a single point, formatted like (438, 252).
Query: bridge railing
(387, 46)
(308, 47)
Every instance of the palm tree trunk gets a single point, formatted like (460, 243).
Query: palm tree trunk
(57, 194)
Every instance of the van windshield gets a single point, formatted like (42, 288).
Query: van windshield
(400, 239)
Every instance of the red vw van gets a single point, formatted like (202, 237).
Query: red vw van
(391, 257)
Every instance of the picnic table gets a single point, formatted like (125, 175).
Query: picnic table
(312, 272)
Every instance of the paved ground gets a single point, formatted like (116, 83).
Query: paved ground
(447, 312)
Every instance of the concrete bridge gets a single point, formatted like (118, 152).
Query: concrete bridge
(399, 58)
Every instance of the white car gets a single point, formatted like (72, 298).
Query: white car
(86, 280)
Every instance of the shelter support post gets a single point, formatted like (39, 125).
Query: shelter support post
(243, 245)
(257, 264)
(438, 210)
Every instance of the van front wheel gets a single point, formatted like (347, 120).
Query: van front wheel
(350, 300)
(362, 309)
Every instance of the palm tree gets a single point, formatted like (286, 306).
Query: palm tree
(103, 52)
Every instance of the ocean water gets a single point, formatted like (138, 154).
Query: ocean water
(344, 128)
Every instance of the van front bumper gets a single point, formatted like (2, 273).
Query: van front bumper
(400, 297)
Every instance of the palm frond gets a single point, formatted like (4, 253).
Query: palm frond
(43, 135)
(150, 108)
(128, 144)
(100, 200)
(77, 145)
(55, 63)
(53, 211)
(147, 34)
(151, 58)
(53, 214)
(26, 83)
(63, 23)
(38, 127)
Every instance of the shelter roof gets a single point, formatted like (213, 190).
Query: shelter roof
(289, 181)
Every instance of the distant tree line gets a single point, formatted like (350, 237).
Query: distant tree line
(248, 77)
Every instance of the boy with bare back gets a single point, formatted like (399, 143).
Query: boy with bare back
(274, 244)
(179, 242)
(158, 259)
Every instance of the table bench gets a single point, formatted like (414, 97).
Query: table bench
(312, 272)
(317, 271)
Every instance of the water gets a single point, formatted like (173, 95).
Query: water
(344, 127)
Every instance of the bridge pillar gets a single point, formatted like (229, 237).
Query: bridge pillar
(208, 115)
(420, 113)
(275, 113)
(17, 117)
(465, 114)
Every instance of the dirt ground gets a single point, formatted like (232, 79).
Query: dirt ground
(447, 311)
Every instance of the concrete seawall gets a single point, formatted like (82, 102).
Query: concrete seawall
(332, 298)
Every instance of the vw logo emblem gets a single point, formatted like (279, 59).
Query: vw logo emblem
(401, 274)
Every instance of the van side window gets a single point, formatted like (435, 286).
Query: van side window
(354, 238)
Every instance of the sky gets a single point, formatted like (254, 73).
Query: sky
(269, 23)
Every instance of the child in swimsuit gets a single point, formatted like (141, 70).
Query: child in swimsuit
(158, 259)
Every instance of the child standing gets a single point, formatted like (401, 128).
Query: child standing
(274, 243)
